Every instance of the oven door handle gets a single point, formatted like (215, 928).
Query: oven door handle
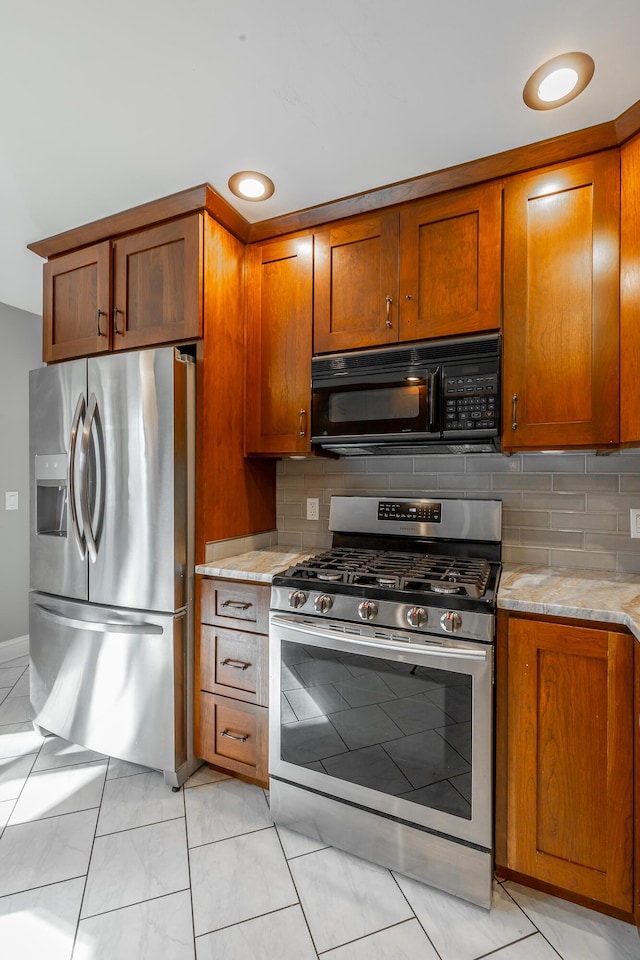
(432, 648)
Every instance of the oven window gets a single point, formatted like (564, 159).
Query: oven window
(400, 729)
(365, 406)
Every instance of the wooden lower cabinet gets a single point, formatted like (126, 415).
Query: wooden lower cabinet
(565, 741)
(233, 670)
(235, 735)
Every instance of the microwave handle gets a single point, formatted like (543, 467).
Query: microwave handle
(433, 380)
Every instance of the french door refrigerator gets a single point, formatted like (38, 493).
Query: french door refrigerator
(111, 605)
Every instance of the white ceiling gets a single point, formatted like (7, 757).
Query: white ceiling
(107, 105)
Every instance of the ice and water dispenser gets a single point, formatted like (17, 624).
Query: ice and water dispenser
(51, 494)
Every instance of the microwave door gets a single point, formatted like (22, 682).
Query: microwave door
(377, 408)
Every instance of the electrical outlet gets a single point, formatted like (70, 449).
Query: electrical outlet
(11, 499)
(635, 522)
(313, 509)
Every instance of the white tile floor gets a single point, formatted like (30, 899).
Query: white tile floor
(99, 860)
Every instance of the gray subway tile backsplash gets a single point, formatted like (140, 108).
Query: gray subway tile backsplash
(560, 509)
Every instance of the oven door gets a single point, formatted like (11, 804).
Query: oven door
(376, 408)
(397, 727)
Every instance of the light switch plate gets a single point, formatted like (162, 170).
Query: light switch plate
(635, 522)
(11, 499)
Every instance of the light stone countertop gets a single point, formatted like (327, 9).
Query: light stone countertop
(570, 592)
(255, 565)
(550, 591)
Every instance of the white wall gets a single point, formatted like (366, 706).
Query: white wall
(20, 351)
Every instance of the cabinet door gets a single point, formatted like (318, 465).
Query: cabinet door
(234, 664)
(77, 304)
(570, 758)
(234, 736)
(630, 292)
(158, 285)
(279, 334)
(561, 255)
(356, 284)
(450, 265)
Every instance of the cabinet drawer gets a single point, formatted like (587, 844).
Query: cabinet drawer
(234, 603)
(234, 735)
(234, 663)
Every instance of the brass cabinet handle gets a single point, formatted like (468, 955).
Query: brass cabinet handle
(301, 426)
(388, 301)
(231, 736)
(514, 404)
(101, 313)
(115, 322)
(237, 604)
(238, 664)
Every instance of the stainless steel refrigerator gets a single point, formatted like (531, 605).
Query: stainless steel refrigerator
(112, 443)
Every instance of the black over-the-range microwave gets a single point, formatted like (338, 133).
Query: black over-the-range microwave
(437, 395)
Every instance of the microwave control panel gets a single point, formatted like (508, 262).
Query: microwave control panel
(470, 400)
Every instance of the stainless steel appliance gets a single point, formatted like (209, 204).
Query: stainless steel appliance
(110, 617)
(442, 395)
(381, 709)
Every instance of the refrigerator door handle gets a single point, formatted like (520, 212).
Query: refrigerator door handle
(101, 626)
(75, 525)
(92, 535)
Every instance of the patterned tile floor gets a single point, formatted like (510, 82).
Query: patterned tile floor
(99, 860)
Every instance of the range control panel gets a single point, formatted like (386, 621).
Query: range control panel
(419, 511)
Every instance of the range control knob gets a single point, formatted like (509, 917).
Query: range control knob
(323, 603)
(416, 616)
(368, 610)
(297, 599)
(450, 621)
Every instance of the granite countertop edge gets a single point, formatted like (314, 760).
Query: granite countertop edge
(596, 595)
(259, 566)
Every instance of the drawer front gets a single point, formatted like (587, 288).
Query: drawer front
(234, 735)
(234, 663)
(234, 603)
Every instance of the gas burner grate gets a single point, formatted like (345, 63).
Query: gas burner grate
(387, 570)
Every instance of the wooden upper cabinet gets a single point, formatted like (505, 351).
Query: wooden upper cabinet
(356, 284)
(135, 291)
(77, 304)
(158, 286)
(279, 335)
(431, 269)
(630, 293)
(570, 735)
(561, 259)
(450, 264)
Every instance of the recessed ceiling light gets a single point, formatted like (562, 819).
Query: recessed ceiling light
(250, 185)
(558, 81)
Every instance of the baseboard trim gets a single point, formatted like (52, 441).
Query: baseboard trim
(11, 649)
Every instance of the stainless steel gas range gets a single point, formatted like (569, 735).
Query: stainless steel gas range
(381, 719)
